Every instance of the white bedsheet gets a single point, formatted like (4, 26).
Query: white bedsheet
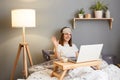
(107, 72)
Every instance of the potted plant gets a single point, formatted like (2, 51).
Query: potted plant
(81, 13)
(98, 8)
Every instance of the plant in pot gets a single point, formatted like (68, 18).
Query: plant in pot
(81, 13)
(98, 8)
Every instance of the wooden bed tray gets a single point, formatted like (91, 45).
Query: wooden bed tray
(64, 67)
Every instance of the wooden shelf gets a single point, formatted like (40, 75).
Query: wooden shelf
(110, 20)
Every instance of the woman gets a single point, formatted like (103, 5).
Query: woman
(64, 47)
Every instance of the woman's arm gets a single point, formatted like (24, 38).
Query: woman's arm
(77, 54)
(56, 43)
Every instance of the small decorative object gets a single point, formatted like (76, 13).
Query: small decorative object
(81, 13)
(107, 14)
(98, 8)
(87, 15)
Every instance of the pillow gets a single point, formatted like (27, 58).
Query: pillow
(46, 54)
(108, 58)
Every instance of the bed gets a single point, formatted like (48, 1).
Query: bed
(107, 72)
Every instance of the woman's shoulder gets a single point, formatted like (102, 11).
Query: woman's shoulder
(75, 47)
(73, 44)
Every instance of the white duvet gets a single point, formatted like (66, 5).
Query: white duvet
(107, 72)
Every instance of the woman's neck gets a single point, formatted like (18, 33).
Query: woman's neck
(65, 42)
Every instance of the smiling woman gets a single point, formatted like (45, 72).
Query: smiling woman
(64, 47)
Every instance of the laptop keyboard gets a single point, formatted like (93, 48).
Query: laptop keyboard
(72, 59)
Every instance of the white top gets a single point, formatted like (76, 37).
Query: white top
(67, 51)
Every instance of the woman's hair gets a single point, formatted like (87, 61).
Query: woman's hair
(62, 38)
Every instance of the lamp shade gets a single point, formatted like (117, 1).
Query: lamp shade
(23, 18)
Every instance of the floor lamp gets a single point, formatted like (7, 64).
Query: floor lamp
(23, 18)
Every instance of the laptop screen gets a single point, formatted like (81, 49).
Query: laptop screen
(89, 52)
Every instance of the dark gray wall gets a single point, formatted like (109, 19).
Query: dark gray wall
(52, 15)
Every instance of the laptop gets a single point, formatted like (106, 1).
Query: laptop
(88, 53)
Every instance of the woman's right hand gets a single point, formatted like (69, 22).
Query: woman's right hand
(55, 41)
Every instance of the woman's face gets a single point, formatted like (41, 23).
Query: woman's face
(67, 37)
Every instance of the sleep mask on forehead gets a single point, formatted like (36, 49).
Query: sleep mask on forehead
(67, 30)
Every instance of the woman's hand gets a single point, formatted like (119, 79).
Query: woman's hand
(77, 54)
(55, 41)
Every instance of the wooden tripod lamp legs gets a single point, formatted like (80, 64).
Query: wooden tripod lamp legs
(15, 63)
(26, 52)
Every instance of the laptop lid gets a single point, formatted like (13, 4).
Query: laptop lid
(89, 52)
